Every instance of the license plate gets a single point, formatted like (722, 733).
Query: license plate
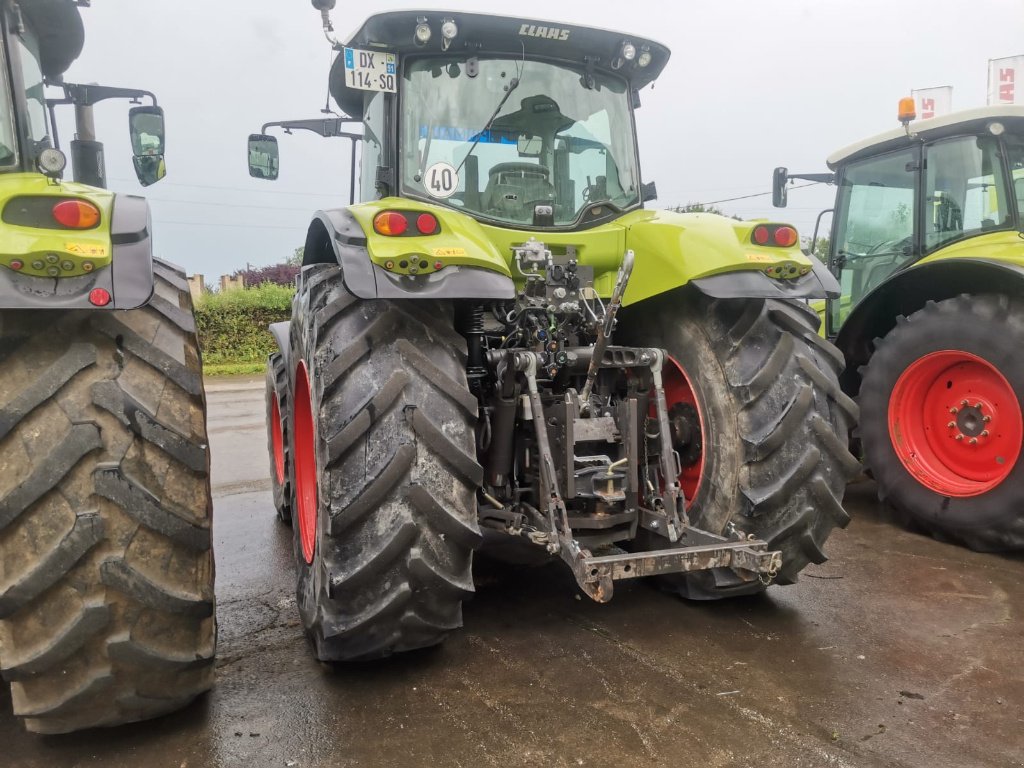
(371, 70)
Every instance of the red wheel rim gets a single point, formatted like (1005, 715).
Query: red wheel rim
(277, 440)
(682, 401)
(305, 463)
(955, 423)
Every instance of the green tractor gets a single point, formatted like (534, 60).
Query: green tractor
(927, 242)
(500, 341)
(106, 566)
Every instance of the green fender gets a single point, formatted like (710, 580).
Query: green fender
(904, 293)
(713, 252)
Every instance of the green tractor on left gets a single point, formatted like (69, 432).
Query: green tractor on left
(106, 565)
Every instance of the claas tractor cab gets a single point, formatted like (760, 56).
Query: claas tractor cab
(926, 242)
(502, 340)
(106, 567)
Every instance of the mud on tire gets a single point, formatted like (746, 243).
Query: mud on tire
(390, 433)
(776, 426)
(106, 566)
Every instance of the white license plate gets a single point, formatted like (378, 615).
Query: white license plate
(371, 70)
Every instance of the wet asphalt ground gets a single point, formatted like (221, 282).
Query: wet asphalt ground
(900, 651)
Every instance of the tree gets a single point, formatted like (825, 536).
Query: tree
(281, 274)
(295, 259)
(701, 208)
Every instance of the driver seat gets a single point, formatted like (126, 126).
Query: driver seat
(513, 187)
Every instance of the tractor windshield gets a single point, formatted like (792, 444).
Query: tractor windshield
(554, 142)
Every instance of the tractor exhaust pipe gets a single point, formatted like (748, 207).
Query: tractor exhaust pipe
(87, 161)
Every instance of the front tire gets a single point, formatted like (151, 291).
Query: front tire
(942, 398)
(760, 424)
(106, 563)
(384, 468)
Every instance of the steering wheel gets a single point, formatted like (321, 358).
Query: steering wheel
(521, 168)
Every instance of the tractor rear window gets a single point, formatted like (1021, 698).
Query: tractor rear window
(553, 141)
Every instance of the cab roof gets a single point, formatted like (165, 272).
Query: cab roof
(491, 35)
(954, 124)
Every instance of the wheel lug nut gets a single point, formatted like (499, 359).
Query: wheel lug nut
(954, 411)
(986, 419)
(951, 424)
(977, 405)
(984, 433)
(973, 441)
(959, 437)
(964, 403)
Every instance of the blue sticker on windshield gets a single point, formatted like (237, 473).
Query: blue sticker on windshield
(458, 133)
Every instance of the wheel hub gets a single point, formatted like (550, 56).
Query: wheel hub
(684, 422)
(971, 421)
(685, 426)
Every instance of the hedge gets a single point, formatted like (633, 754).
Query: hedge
(233, 326)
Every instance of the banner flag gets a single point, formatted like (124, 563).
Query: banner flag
(933, 102)
(1006, 80)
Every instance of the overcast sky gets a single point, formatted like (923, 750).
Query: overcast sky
(751, 84)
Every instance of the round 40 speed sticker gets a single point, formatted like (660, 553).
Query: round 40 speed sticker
(441, 180)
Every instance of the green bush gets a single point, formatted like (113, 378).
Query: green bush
(233, 325)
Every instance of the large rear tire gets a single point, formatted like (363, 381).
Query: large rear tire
(385, 472)
(760, 424)
(942, 398)
(106, 566)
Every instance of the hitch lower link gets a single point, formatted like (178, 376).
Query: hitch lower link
(690, 549)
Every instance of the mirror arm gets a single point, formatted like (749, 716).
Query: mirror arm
(88, 95)
(823, 178)
(326, 127)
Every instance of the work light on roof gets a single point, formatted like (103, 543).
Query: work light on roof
(628, 51)
(449, 29)
(422, 34)
(645, 57)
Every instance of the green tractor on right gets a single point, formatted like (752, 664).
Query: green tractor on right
(927, 242)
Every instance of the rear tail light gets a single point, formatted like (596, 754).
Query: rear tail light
(426, 223)
(76, 214)
(407, 223)
(785, 237)
(390, 223)
(774, 235)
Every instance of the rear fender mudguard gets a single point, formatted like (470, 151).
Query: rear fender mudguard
(281, 337)
(908, 291)
(719, 257)
(335, 236)
(128, 279)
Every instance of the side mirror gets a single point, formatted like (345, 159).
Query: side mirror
(529, 145)
(780, 178)
(146, 126)
(149, 169)
(648, 192)
(264, 158)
